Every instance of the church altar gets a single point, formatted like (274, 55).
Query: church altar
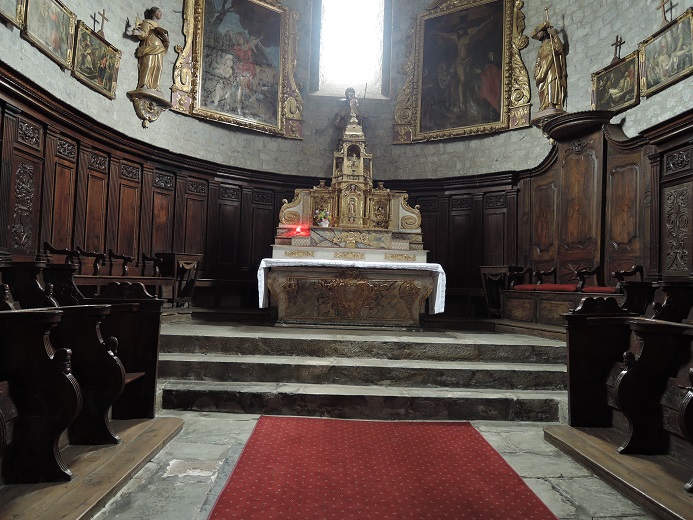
(342, 292)
(350, 253)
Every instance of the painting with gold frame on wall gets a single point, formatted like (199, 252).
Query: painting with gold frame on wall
(667, 56)
(96, 61)
(12, 11)
(50, 26)
(616, 86)
(466, 75)
(237, 64)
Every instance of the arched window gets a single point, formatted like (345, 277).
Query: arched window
(350, 46)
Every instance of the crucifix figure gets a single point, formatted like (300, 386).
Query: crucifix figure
(617, 48)
(663, 6)
(102, 14)
(93, 17)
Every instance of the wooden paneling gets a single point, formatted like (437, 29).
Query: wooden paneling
(63, 206)
(195, 216)
(128, 219)
(95, 227)
(677, 242)
(24, 206)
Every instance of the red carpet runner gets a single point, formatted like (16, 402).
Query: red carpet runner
(329, 469)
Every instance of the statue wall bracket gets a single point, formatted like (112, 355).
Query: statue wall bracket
(149, 104)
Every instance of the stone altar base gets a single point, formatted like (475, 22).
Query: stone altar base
(349, 296)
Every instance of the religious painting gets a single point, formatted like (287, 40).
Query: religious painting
(667, 55)
(96, 61)
(12, 11)
(241, 67)
(50, 26)
(616, 87)
(467, 74)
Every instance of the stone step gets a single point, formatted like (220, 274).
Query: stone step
(362, 371)
(433, 345)
(365, 402)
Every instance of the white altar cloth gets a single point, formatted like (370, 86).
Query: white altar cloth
(436, 299)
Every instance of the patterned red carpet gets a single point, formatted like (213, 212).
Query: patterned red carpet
(330, 469)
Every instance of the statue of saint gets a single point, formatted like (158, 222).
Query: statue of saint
(150, 53)
(550, 69)
(348, 111)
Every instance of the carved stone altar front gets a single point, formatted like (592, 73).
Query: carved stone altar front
(350, 296)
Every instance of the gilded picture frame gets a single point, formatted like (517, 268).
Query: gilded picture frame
(50, 26)
(616, 87)
(466, 75)
(237, 65)
(96, 61)
(667, 56)
(13, 12)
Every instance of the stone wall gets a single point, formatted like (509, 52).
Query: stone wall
(588, 33)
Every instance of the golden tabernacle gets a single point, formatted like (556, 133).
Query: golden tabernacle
(350, 253)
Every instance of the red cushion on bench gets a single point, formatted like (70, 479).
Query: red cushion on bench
(525, 287)
(599, 289)
(561, 287)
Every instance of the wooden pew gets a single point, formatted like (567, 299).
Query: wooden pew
(96, 270)
(135, 320)
(46, 394)
(95, 362)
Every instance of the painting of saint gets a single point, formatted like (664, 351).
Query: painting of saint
(668, 56)
(615, 87)
(461, 73)
(96, 61)
(50, 25)
(241, 60)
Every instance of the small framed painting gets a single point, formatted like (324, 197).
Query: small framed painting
(667, 55)
(12, 11)
(96, 61)
(50, 26)
(616, 87)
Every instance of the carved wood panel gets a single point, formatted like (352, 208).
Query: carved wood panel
(195, 220)
(544, 219)
(229, 219)
(162, 220)
(263, 229)
(460, 251)
(63, 205)
(95, 221)
(580, 204)
(128, 219)
(676, 232)
(24, 206)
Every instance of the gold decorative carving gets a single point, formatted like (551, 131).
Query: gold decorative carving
(299, 254)
(349, 255)
(400, 258)
(412, 218)
(351, 238)
(514, 110)
(181, 98)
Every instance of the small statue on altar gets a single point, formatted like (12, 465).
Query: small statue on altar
(350, 110)
(550, 67)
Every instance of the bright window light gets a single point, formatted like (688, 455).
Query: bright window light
(351, 46)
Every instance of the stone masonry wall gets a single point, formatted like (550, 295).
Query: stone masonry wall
(588, 28)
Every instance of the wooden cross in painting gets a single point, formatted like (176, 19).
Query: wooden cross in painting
(617, 48)
(102, 14)
(663, 6)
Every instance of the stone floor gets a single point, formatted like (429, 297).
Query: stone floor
(184, 479)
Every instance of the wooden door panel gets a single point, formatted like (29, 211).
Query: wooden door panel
(162, 221)
(194, 225)
(460, 251)
(228, 225)
(63, 205)
(128, 219)
(24, 206)
(95, 232)
(494, 238)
